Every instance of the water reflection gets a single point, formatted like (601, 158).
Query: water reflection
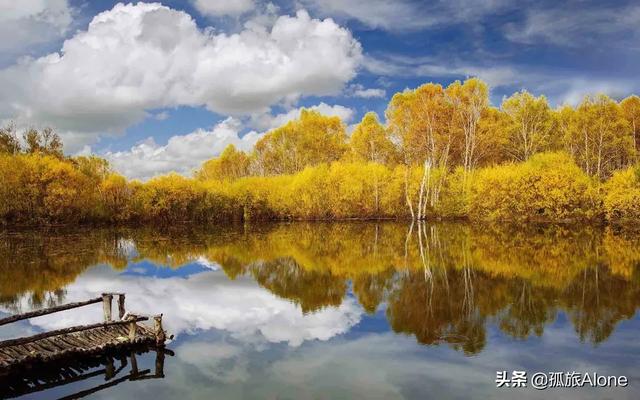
(86, 375)
(440, 283)
(290, 310)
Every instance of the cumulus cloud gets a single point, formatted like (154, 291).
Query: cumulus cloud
(267, 121)
(182, 153)
(223, 7)
(208, 300)
(141, 57)
(27, 23)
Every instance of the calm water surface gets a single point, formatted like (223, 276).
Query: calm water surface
(345, 310)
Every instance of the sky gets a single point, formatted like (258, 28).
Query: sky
(161, 87)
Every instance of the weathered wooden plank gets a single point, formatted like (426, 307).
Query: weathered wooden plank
(19, 341)
(48, 310)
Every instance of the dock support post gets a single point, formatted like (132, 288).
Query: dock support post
(159, 363)
(133, 327)
(106, 306)
(160, 334)
(121, 310)
(134, 364)
(110, 369)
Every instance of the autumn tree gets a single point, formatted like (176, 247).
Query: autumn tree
(469, 100)
(421, 121)
(631, 111)
(371, 142)
(309, 140)
(115, 198)
(94, 167)
(597, 135)
(230, 165)
(45, 141)
(9, 140)
(530, 124)
(493, 127)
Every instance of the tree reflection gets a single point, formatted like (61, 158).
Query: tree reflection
(311, 290)
(442, 283)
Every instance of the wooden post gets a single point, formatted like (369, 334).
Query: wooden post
(133, 327)
(134, 364)
(106, 306)
(159, 363)
(160, 335)
(121, 310)
(110, 370)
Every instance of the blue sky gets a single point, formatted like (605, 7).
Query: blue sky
(156, 88)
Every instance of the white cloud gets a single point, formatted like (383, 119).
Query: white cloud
(406, 15)
(207, 300)
(161, 116)
(223, 7)
(396, 65)
(557, 85)
(369, 93)
(157, 57)
(266, 121)
(26, 23)
(572, 90)
(182, 153)
(577, 26)
(357, 90)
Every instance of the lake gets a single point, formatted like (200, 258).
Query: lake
(359, 310)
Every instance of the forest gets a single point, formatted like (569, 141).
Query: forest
(443, 153)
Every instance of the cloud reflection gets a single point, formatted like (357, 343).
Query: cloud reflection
(204, 301)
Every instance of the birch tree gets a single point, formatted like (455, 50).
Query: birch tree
(469, 100)
(530, 124)
(631, 111)
(598, 136)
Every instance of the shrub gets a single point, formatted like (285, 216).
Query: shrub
(547, 187)
(622, 195)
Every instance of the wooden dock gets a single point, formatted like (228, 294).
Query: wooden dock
(126, 331)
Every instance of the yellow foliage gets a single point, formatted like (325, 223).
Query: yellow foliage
(310, 140)
(622, 195)
(530, 124)
(548, 187)
(231, 164)
(370, 142)
(441, 154)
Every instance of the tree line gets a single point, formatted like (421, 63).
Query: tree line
(444, 152)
